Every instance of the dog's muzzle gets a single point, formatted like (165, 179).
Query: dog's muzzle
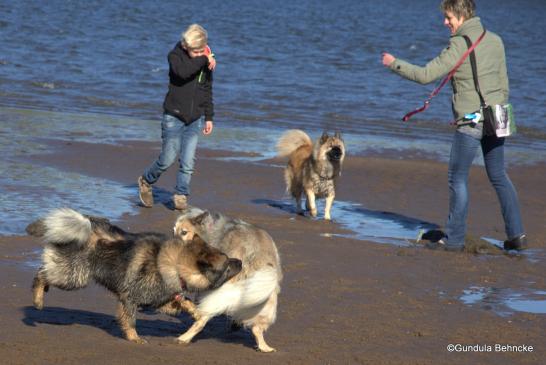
(233, 267)
(335, 154)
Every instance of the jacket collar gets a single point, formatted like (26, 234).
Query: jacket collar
(180, 50)
(469, 26)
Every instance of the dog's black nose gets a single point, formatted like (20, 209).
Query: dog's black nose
(335, 153)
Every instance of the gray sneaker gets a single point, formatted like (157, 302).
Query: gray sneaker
(180, 201)
(145, 192)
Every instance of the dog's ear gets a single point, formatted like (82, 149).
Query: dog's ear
(198, 240)
(338, 135)
(324, 137)
(200, 218)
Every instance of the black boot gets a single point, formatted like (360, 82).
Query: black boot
(517, 243)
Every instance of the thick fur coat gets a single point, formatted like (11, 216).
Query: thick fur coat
(249, 298)
(142, 269)
(312, 168)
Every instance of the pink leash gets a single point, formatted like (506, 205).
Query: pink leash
(444, 81)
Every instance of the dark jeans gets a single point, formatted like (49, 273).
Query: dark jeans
(463, 152)
(178, 141)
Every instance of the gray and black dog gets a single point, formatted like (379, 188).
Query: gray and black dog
(312, 167)
(141, 269)
(249, 298)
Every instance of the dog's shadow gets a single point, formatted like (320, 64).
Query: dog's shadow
(347, 208)
(218, 328)
(279, 204)
(365, 223)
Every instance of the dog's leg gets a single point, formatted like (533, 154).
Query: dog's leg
(127, 321)
(299, 210)
(262, 321)
(197, 327)
(175, 307)
(190, 307)
(258, 333)
(39, 286)
(311, 202)
(328, 206)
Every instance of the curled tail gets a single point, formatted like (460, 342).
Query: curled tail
(292, 140)
(62, 226)
(233, 297)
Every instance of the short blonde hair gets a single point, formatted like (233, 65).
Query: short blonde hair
(194, 37)
(459, 8)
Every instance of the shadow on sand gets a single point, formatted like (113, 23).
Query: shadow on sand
(219, 328)
(366, 224)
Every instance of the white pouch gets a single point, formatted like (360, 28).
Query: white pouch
(505, 123)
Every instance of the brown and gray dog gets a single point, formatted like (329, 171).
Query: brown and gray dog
(250, 297)
(312, 168)
(141, 269)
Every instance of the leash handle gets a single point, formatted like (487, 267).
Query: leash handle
(436, 91)
(418, 110)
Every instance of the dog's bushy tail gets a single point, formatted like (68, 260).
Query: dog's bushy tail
(292, 140)
(233, 297)
(62, 226)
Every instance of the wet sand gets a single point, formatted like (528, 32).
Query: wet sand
(343, 300)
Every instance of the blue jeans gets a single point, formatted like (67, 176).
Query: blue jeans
(463, 151)
(178, 140)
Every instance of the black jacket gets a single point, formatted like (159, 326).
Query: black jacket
(190, 87)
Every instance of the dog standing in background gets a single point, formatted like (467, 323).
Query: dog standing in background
(249, 298)
(141, 269)
(312, 168)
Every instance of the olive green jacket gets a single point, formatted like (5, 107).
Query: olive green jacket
(491, 64)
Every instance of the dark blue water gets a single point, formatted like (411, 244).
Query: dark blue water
(293, 63)
(96, 71)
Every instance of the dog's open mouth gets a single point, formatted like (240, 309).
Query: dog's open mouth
(335, 154)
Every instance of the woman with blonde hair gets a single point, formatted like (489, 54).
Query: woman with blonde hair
(187, 110)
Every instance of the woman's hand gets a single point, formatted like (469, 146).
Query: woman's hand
(387, 59)
(210, 56)
(212, 62)
(208, 127)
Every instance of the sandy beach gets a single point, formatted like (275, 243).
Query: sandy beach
(82, 86)
(343, 300)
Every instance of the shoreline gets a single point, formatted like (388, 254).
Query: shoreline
(391, 175)
(343, 300)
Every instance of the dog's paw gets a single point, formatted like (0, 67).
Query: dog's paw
(313, 213)
(138, 340)
(38, 302)
(265, 349)
(181, 341)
